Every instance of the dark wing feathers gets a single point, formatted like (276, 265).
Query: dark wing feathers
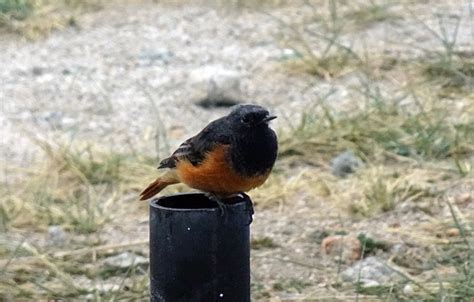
(169, 162)
(195, 148)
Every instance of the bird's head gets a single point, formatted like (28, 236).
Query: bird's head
(250, 116)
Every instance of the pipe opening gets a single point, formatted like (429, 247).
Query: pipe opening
(192, 201)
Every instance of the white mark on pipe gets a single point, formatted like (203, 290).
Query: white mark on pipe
(189, 229)
(221, 295)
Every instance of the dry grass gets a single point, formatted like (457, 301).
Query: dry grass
(417, 145)
(370, 14)
(33, 19)
(80, 190)
(37, 18)
(417, 152)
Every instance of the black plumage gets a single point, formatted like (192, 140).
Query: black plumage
(253, 143)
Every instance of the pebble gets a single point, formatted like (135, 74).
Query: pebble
(57, 236)
(216, 86)
(345, 248)
(398, 248)
(371, 268)
(452, 232)
(345, 164)
(463, 198)
(125, 260)
(149, 57)
(366, 283)
(408, 290)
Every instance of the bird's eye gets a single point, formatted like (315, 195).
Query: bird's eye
(245, 120)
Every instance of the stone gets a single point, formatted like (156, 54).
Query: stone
(55, 120)
(125, 260)
(37, 71)
(150, 56)
(398, 248)
(51, 117)
(366, 283)
(463, 198)
(344, 248)
(370, 268)
(408, 290)
(345, 164)
(216, 86)
(452, 232)
(57, 236)
(107, 287)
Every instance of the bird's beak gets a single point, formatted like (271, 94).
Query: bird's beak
(268, 118)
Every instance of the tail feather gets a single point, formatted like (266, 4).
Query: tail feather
(166, 179)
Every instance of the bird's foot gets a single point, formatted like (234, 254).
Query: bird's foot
(248, 206)
(222, 206)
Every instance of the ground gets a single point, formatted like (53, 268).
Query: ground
(94, 94)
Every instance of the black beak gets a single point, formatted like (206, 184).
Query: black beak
(268, 118)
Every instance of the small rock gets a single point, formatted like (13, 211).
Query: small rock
(107, 287)
(57, 236)
(125, 260)
(347, 247)
(369, 283)
(148, 57)
(216, 86)
(398, 248)
(55, 119)
(68, 122)
(288, 54)
(37, 71)
(452, 232)
(345, 164)
(370, 268)
(51, 117)
(408, 290)
(97, 287)
(463, 198)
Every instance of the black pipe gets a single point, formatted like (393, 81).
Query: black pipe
(198, 251)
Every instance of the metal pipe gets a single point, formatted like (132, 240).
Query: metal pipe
(197, 252)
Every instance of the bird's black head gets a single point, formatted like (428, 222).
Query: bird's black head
(250, 116)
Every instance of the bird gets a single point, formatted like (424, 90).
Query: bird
(231, 155)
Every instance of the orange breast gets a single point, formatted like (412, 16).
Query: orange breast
(216, 175)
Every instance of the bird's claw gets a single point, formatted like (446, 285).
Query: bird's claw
(222, 206)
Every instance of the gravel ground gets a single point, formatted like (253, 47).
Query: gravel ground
(130, 69)
(131, 73)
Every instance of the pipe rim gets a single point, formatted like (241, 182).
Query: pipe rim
(154, 203)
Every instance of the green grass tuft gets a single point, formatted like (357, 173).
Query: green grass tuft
(16, 9)
(454, 76)
(420, 133)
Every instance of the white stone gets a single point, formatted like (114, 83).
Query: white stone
(216, 83)
(408, 290)
(125, 260)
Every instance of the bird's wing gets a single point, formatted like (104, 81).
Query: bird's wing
(195, 148)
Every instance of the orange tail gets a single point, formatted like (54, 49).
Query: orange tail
(159, 184)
